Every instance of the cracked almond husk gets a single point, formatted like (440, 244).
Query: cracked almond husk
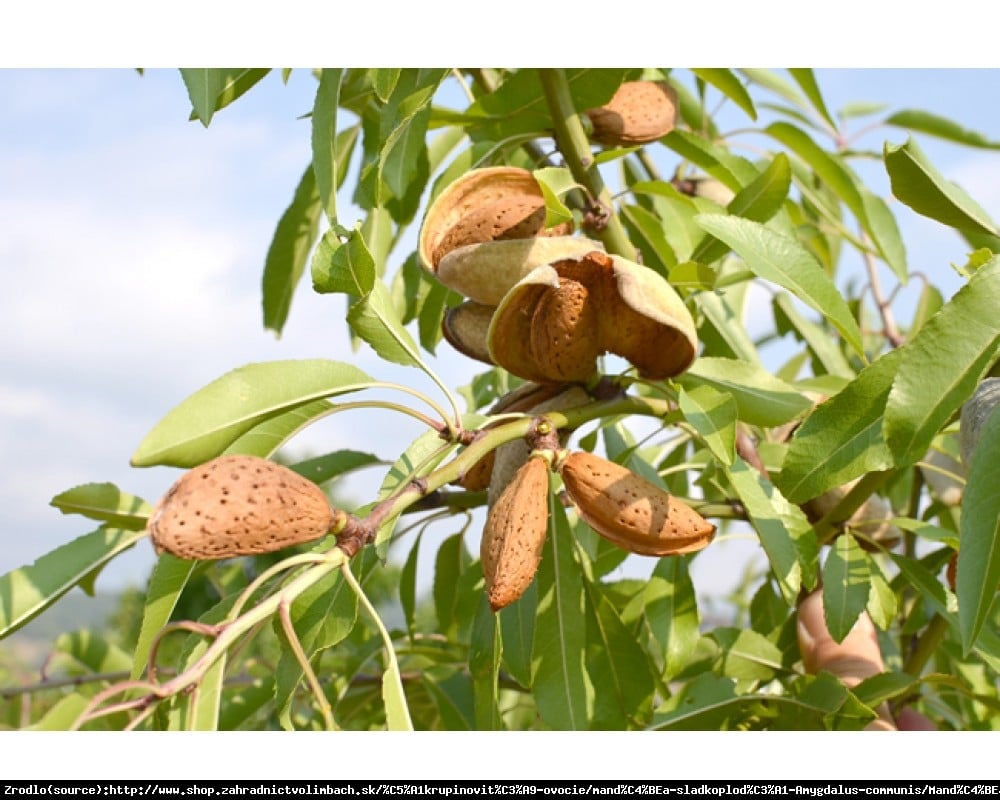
(554, 323)
(240, 505)
(638, 113)
(630, 511)
(514, 534)
(484, 205)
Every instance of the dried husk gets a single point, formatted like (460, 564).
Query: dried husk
(630, 511)
(240, 505)
(466, 327)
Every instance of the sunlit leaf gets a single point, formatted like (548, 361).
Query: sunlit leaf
(324, 139)
(726, 82)
(823, 347)
(951, 352)
(846, 585)
(27, 591)
(807, 83)
(671, 609)
(204, 424)
(105, 502)
(918, 184)
(978, 569)
(213, 89)
(170, 576)
(375, 320)
(339, 266)
(713, 414)
(935, 125)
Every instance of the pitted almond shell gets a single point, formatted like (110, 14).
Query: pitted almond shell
(511, 456)
(480, 206)
(486, 272)
(240, 505)
(639, 112)
(466, 327)
(514, 535)
(538, 334)
(631, 512)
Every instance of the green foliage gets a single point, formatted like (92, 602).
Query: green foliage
(786, 424)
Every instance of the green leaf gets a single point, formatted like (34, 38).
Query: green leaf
(759, 201)
(761, 398)
(286, 257)
(452, 695)
(725, 310)
(950, 353)
(27, 591)
(615, 662)
(885, 232)
(554, 183)
(783, 530)
(782, 260)
(846, 585)
(934, 125)
(726, 82)
(746, 655)
(703, 704)
(324, 139)
(264, 439)
(408, 583)
(204, 424)
(648, 233)
(375, 320)
(842, 438)
(335, 464)
(397, 713)
(63, 714)
(559, 680)
(346, 267)
(734, 171)
(671, 609)
(775, 83)
(918, 184)
(882, 604)
(241, 706)
(820, 344)
(213, 89)
(713, 415)
(384, 81)
(978, 569)
(451, 561)
(170, 576)
(807, 82)
(884, 687)
(403, 157)
(484, 667)
(517, 633)
(92, 651)
(105, 502)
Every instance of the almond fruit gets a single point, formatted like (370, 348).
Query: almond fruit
(514, 535)
(483, 205)
(631, 512)
(240, 505)
(466, 327)
(639, 112)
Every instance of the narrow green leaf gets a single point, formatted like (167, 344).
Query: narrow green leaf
(264, 439)
(241, 705)
(324, 139)
(339, 266)
(703, 704)
(452, 694)
(759, 201)
(978, 569)
(782, 260)
(559, 679)
(451, 561)
(775, 83)
(27, 591)
(517, 633)
(761, 398)
(951, 353)
(713, 415)
(484, 667)
(403, 157)
(882, 603)
(861, 108)
(726, 82)
(213, 89)
(918, 184)
(375, 320)
(286, 256)
(725, 310)
(333, 465)
(63, 713)
(204, 424)
(746, 655)
(408, 583)
(617, 663)
(884, 231)
(105, 502)
(648, 234)
(842, 438)
(935, 125)
(883, 687)
(397, 713)
(734, 171)
(783, 530)
(170, 576)
(825, 349)
(92, 651)
(384, 80)
(671, 609)
(846, 585)
(807, 83)
(555, 182)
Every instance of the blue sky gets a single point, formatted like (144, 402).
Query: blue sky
(131, 253)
